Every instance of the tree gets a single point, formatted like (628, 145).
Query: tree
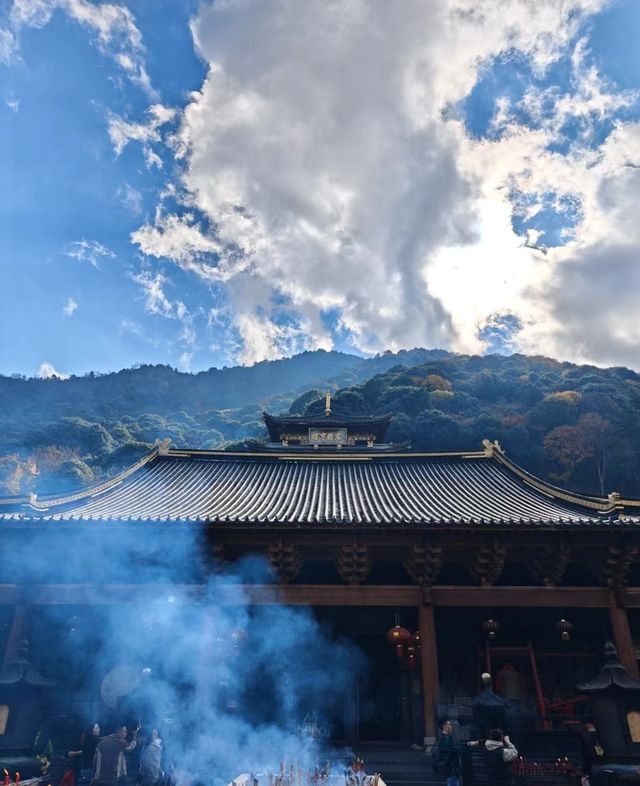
(567, 445)
(298, 405)
(596, 432)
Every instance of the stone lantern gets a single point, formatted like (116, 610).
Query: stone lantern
(488, 709)
(22, 705)
(615, 695)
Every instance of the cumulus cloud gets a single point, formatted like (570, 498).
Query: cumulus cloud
(589, 290)
(70, 307)
(91, 251)
(326, 171)
(113, 27)
(48, 371)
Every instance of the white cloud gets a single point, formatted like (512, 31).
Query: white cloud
(8, 46)
(91, 251)
(70, 307)
(326, 170)
(130, 198)
(48, 371)
(13, 104)
(121, 132)
(184, 363)
(112, 25)
(155, 300)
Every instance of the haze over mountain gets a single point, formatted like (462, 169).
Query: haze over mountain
(574, 425)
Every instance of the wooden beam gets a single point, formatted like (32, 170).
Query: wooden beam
(319, 595)
(531, 597)
(429, 664)
(622, 636)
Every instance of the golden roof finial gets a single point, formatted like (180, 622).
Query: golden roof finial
(327, 403)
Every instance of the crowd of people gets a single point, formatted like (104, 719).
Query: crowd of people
(498, 754)
(134, 756)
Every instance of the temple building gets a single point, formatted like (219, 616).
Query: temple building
(492, 568)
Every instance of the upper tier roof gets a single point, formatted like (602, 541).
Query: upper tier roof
(279, 424)
(480, 489)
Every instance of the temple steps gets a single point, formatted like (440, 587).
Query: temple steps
(399, 765)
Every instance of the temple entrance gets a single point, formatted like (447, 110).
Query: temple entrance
(382, 700)
(536, 659)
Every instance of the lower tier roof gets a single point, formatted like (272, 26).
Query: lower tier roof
(481, 488)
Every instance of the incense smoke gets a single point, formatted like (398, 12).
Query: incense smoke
(227, 684)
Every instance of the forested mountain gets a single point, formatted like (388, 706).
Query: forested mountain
(57, 434)
(577, 426)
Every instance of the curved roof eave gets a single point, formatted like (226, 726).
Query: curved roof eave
(391, 468)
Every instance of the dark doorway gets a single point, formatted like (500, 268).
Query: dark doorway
(381, 700)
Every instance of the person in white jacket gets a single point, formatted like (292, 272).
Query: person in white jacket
(499, 753)
(151, 761)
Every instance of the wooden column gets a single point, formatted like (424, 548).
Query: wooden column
(17, 632)
(619, 620)
(429, 664)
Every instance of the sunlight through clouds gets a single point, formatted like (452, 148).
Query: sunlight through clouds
(366, 176)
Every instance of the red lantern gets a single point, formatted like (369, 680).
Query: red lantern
(398, 635)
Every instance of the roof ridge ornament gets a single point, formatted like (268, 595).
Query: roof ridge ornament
(163, 446)
(491, 447)
(327, 403)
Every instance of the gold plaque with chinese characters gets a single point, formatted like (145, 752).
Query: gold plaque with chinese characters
(327, 436)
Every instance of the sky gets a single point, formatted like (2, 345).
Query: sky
(209, 183)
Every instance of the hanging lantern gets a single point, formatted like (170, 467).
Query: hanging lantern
(564, 627)
(398, 635)
(411, 661)
(399, 650)
(491, 628)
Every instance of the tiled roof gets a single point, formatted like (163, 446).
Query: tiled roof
(428, 490)
(278, 424)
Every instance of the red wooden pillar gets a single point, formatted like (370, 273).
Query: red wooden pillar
(622, 634)
(429, 664)
(17, 632)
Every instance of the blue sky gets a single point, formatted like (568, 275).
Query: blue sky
(208, 183)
